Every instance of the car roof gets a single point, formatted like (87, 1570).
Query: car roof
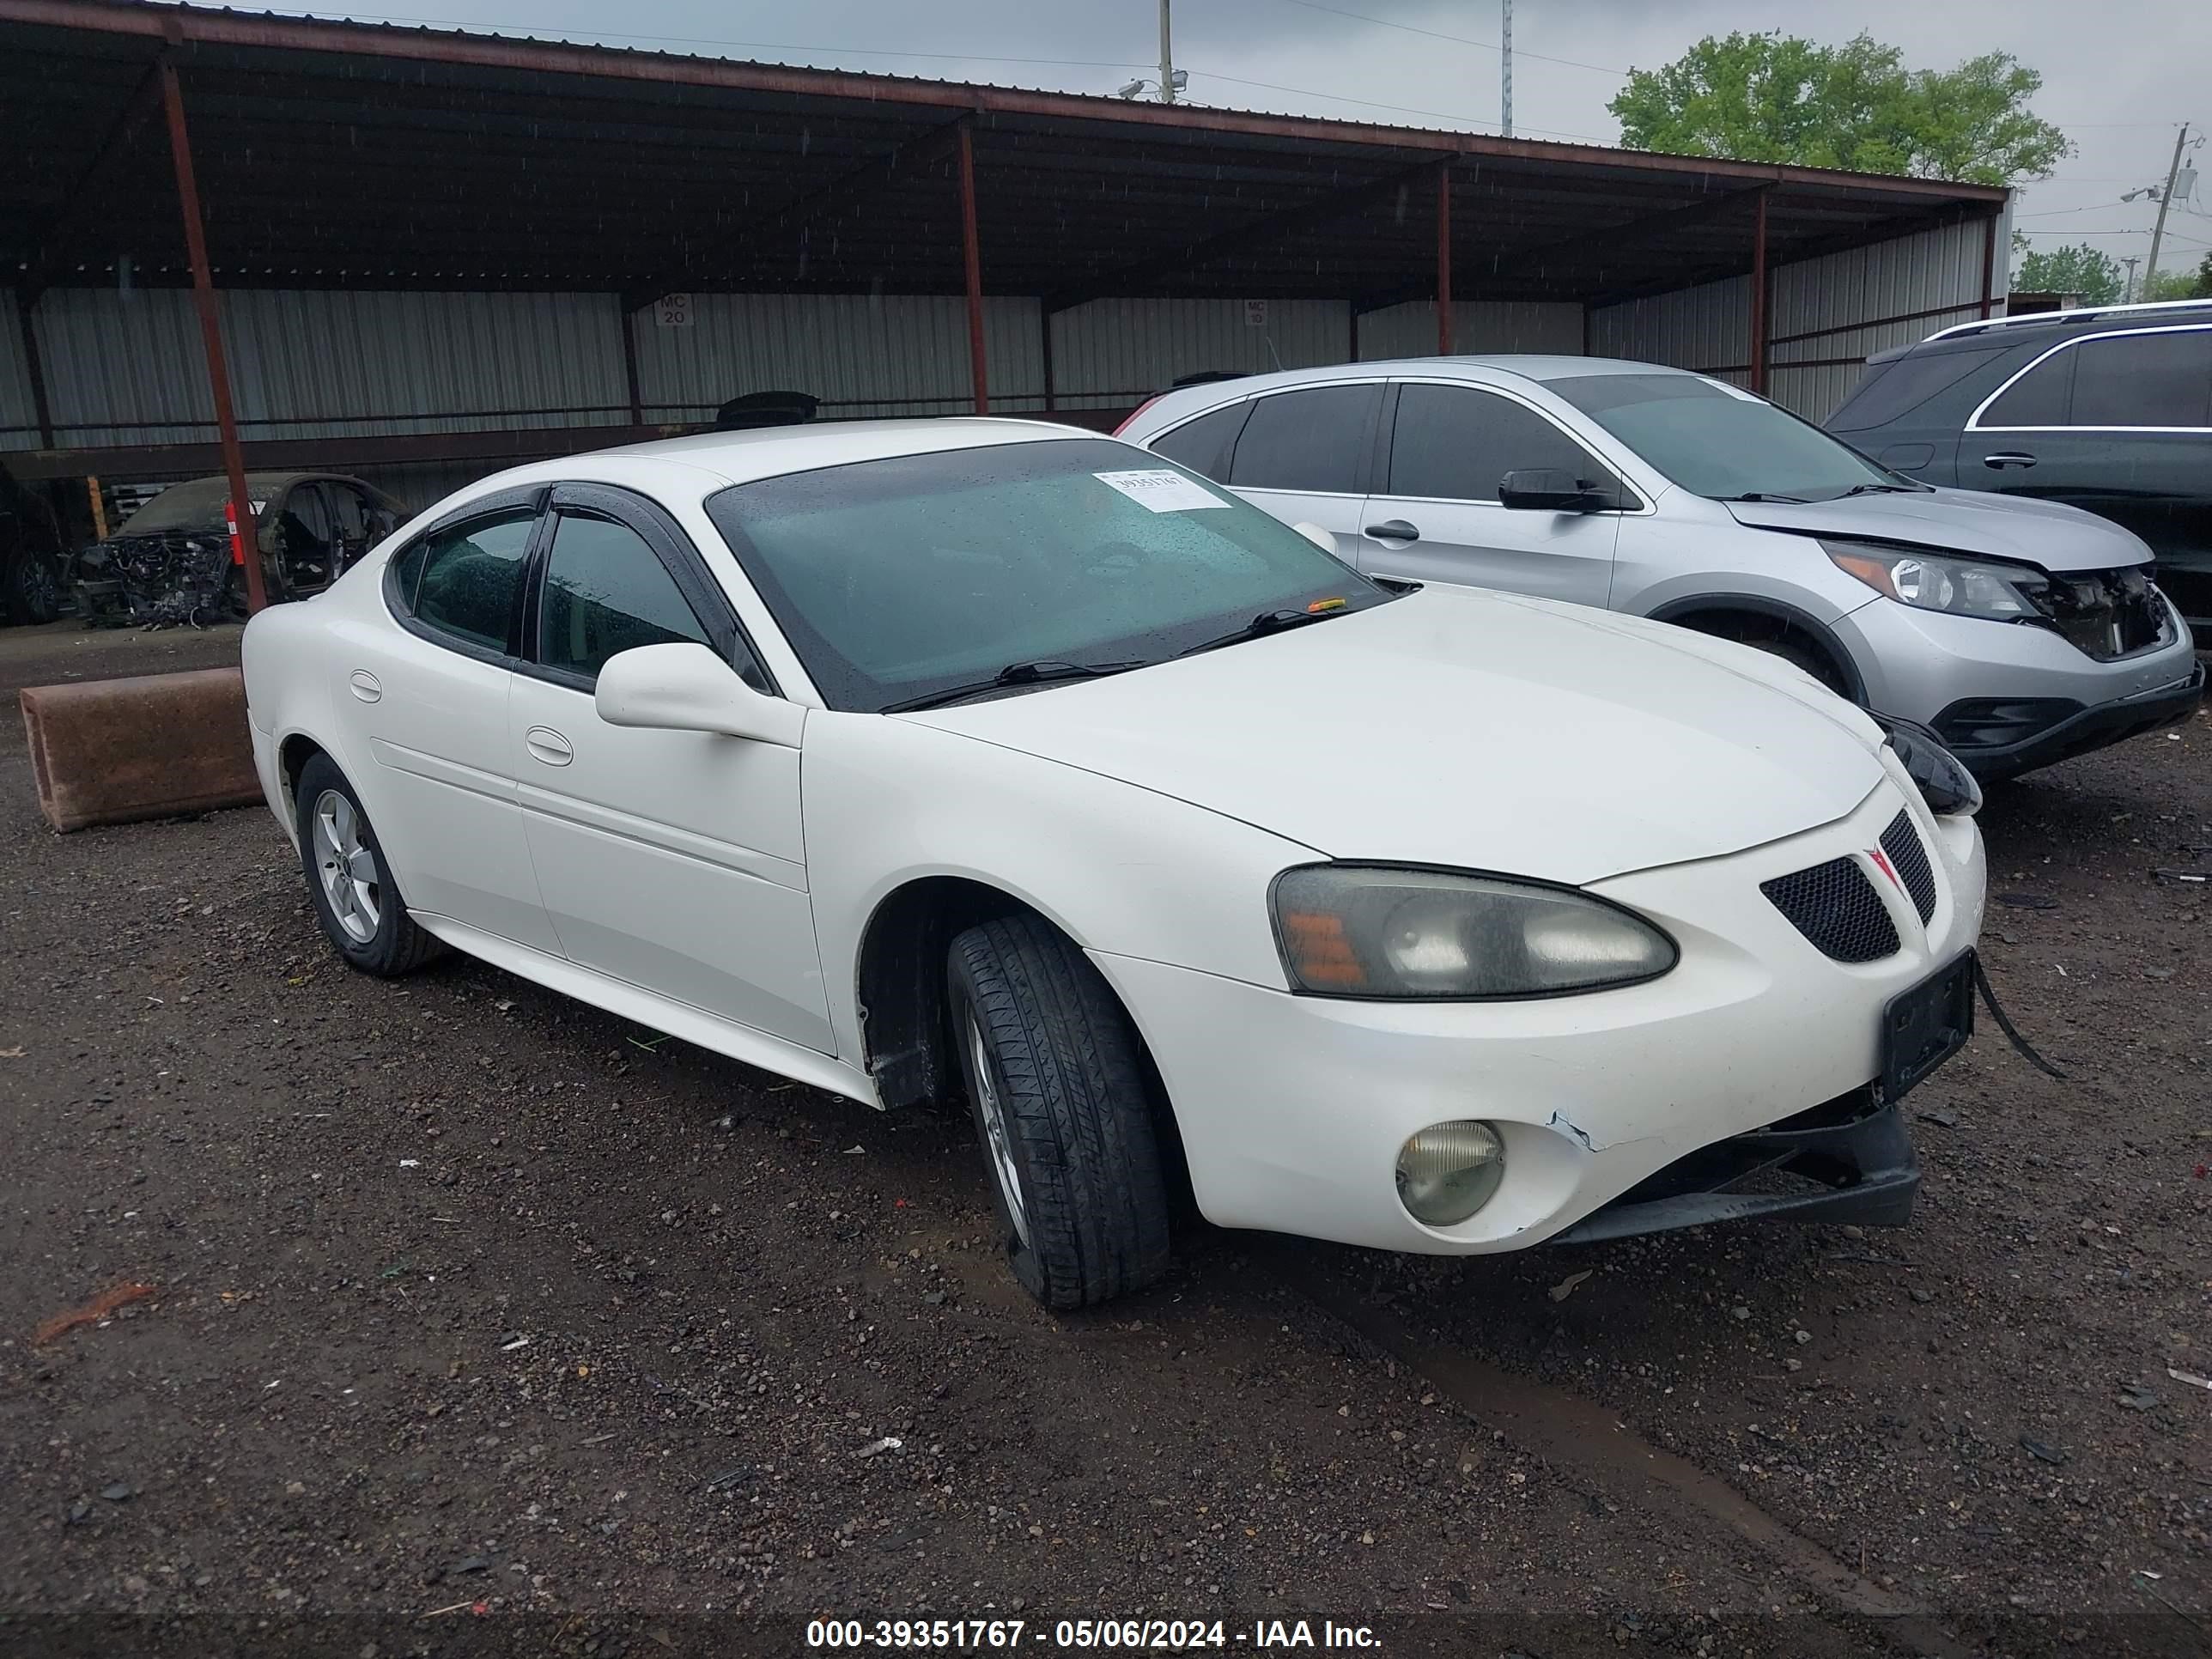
(706, 461)
(2041, 328)
(1542, 368)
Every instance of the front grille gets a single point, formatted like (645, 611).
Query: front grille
(1836, 906)
(2102, 614)
(1901, 841)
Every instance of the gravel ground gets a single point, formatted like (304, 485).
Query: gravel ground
(482, 1321)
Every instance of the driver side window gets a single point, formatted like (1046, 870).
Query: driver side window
(1453, 443)
(606, 591)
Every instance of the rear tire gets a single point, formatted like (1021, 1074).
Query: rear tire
(1056, 1077)
(357, 901)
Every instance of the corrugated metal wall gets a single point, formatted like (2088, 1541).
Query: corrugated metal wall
(128, 368)
(1477, 325)
(867, 355)
(1113, 353)
(1832, 300)
(18, 416)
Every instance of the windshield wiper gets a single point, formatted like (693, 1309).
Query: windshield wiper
(1043, 672)
(1267, 621)
(1761, 495)
(1888, 490)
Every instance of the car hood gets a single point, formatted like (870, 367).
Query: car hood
(1978, 521)
(1476, 730)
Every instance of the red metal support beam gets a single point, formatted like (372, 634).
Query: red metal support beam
(1758, 295)
(41, 411)
(1443, 261)
(1044, 353)
(1988, 264)
(972, 257)
(226, 416)
(630, 366)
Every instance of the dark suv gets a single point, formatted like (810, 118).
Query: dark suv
(2108, 409)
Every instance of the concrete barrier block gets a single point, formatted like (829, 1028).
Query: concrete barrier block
(111, 751)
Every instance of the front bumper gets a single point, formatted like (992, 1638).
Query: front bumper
(2054, 731)
(1849, 1160)
(1292, 1109)
(1996, 693)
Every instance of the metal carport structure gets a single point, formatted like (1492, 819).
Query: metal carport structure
(333, 159)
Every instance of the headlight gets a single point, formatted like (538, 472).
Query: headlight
(1935, 581)
(1944, 782)
(1359, 931)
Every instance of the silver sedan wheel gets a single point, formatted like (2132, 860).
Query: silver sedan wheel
(346, 867)
(998, 1140)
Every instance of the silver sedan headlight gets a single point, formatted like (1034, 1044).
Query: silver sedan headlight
(1350, 930)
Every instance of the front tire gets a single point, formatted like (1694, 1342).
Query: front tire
(34, 588)
(1057, 1081)
(357, 901)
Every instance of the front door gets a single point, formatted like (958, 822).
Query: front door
(1434, 514)
(671, 860)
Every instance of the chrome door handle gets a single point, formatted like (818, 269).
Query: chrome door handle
(365, 685)
(2010, 458)
(546, 744)
(1394, 529)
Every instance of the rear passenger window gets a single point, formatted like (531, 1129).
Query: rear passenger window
(466, 578)
(606, 591)
(2039, 397)
(1312, 439)
(1894, 390)
(1454, 444)
(1204, 445)
(2162, 379)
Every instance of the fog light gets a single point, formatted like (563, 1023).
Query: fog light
(1449, 1170)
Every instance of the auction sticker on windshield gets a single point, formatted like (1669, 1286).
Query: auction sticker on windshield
(1160, 489)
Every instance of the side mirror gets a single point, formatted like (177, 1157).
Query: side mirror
(685, 687)
(1320, 538)
(1547, 490)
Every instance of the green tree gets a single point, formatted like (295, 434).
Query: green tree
(1782, 99)
(2181, 284)
(2090, 272)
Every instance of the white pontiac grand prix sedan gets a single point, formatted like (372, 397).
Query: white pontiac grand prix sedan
(994, 759)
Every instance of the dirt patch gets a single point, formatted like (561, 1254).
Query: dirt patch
(470, 1296)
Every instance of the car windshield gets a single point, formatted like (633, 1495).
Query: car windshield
(196, 506)
(900, 579)
(1715, 441)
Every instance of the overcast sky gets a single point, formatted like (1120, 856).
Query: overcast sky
(2118, 77)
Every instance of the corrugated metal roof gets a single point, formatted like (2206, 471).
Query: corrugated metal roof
(469, 161)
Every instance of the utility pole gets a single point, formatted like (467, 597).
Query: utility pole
(1504, 75)
(2128, 293)
(1167, 59)
(2165, 201)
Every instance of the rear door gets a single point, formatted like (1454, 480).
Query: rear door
(2117, 422)
(431, 698)
(1303, 455)
(1435, 515)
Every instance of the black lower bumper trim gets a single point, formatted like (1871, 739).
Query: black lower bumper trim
(2099, 728)
(1854, 1154)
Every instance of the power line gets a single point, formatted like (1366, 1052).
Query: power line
(1464, 40)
